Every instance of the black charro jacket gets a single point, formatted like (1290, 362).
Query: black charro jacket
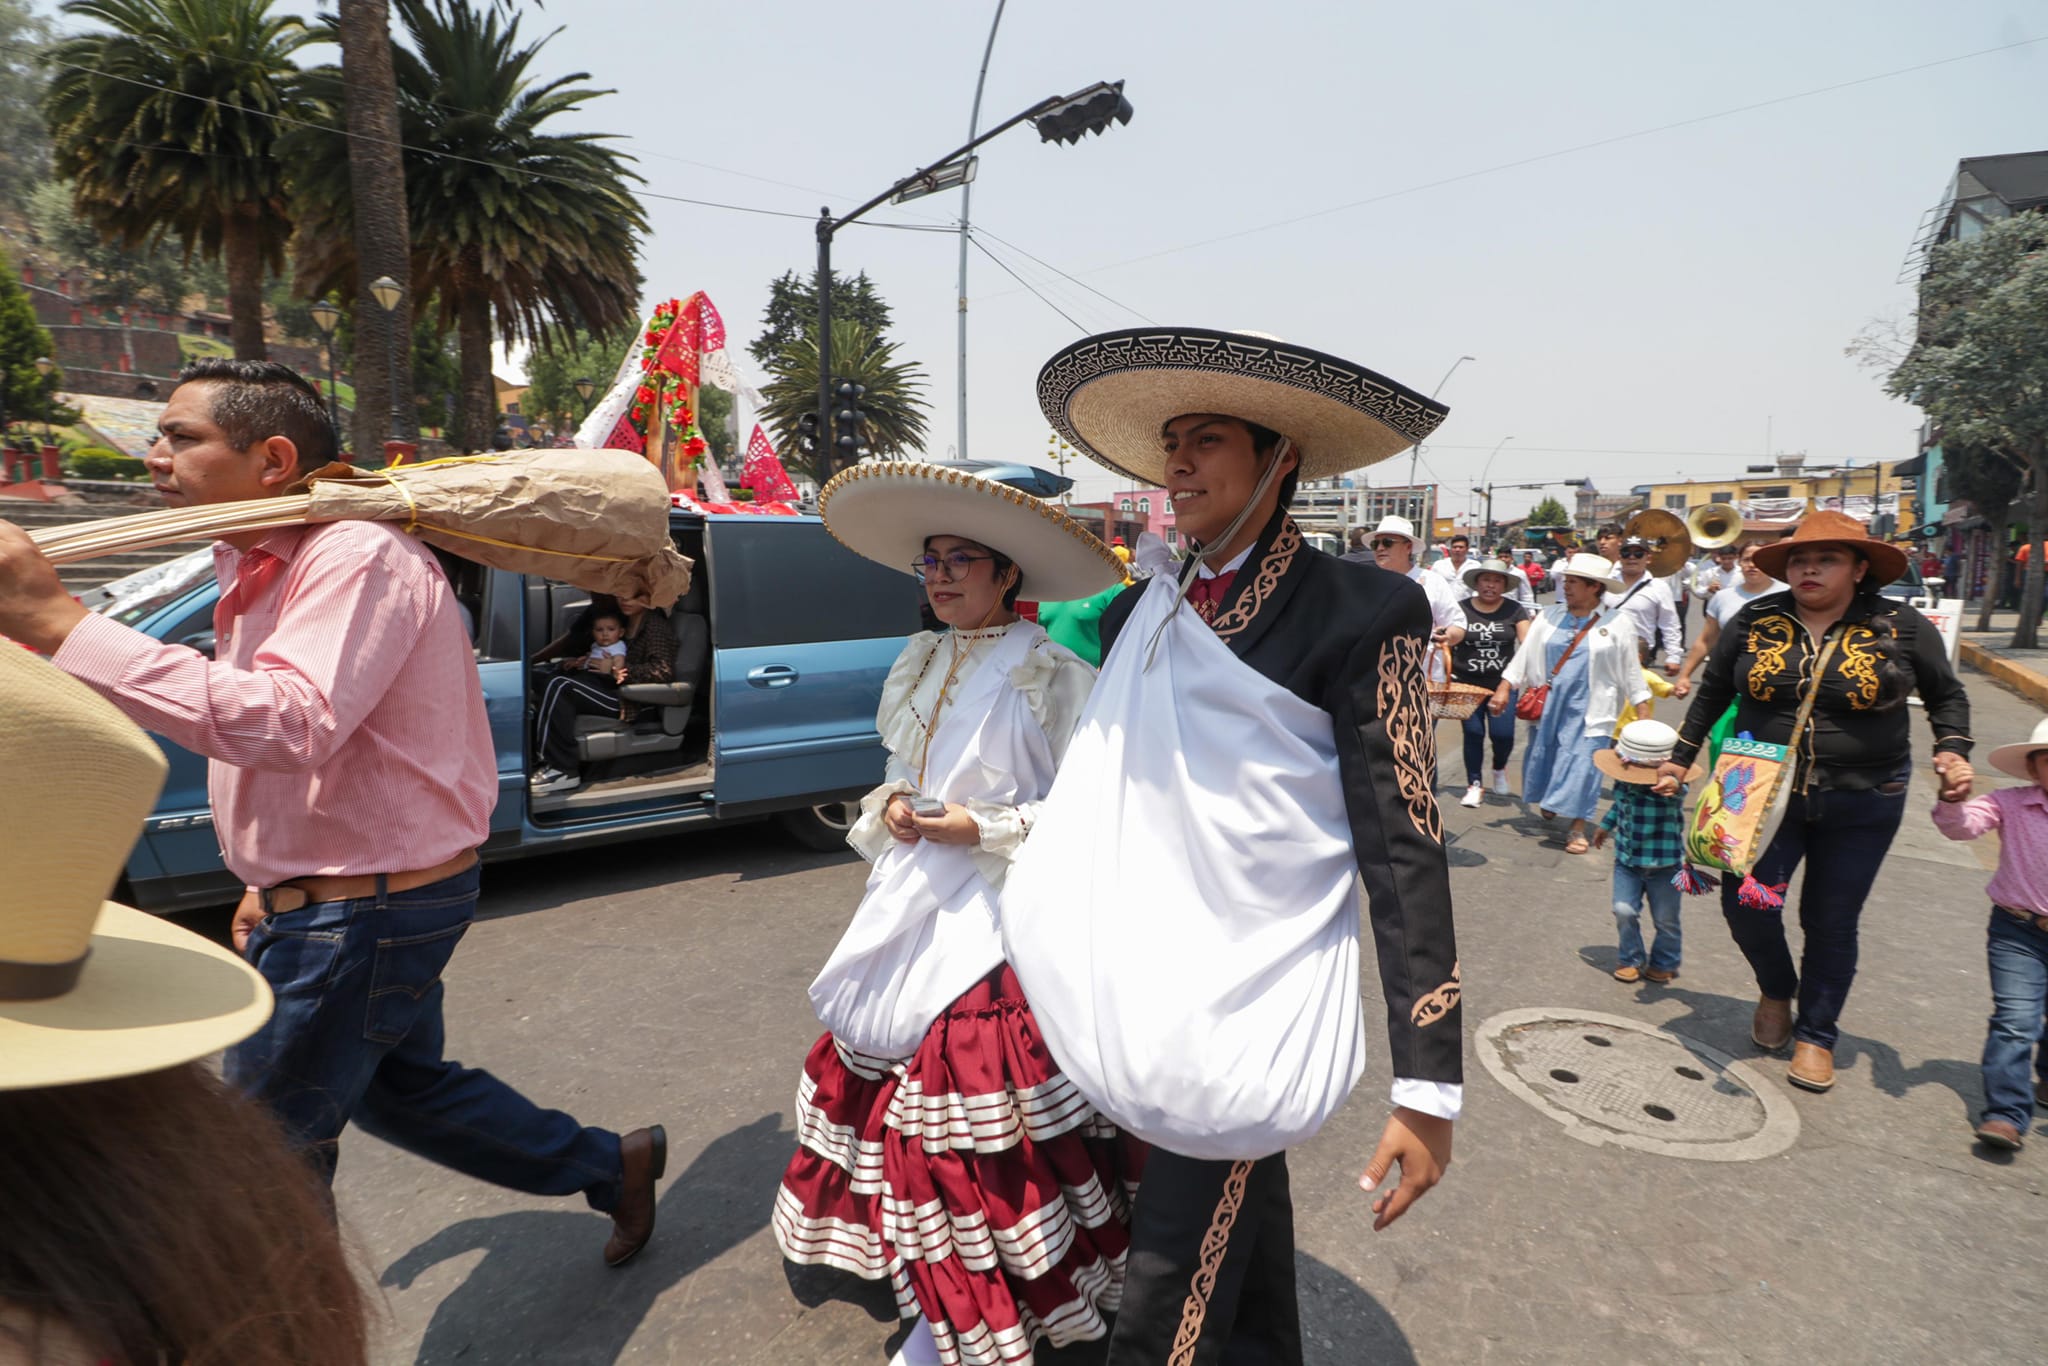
(1352, 639)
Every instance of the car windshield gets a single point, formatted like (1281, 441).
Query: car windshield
(140, 595)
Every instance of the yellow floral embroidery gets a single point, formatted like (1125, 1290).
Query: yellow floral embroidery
(1859, 661)
(1403, 697)
(1770, 640)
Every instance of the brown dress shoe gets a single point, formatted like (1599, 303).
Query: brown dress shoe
(1628, 973)
(1772, 1025)
(1998, 1133)
(1813, 1067)
(1660, 976)
(643, 1155)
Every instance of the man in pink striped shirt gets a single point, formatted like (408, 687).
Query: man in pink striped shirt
(352, 779)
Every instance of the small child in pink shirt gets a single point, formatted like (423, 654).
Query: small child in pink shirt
(2018, 934)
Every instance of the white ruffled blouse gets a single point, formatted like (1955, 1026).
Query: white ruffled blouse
(1055, 682)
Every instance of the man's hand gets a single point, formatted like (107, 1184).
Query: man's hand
(1420, 1145)
(1956, 776)
(35, 606)
(1683, 687)
(902, 825)
(246, 915)
(1671, 668)
(955, 827)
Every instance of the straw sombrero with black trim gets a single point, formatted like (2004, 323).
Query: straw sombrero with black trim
(90, 989)
(1110, 394)
(883, 510)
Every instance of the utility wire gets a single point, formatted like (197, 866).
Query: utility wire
(1064, 276)
(983, 249)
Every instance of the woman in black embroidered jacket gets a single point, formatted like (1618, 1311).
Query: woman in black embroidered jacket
(1853, 760)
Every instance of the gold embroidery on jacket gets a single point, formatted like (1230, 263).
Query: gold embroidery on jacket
(1859, 660)
(1770, 640)
(1403, 697)
(1437, 1004)
(1215, 1243)
(1270, 571)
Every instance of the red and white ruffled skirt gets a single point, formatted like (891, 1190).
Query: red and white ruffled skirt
(974, 1176)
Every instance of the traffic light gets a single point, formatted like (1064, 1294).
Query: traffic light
(849, 422)
(1090, 111)
(807, 434)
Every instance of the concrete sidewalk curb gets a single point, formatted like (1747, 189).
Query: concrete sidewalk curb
(2028, 683)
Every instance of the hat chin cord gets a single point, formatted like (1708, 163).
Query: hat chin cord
(1202, 556)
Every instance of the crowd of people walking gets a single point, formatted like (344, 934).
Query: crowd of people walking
(1028, 1141)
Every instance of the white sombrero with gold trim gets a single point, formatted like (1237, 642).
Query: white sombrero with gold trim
(883, 510)
(89, 989)
(1110, 394)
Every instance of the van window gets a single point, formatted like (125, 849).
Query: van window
(779, 581)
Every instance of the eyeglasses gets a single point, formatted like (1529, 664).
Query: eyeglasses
(951, 567)
(1387, 542)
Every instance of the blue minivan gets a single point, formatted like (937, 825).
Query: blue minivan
(783, 642)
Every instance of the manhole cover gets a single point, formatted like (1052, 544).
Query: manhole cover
(1612, 1080)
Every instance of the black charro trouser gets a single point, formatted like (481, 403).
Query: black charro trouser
(1210, 1278)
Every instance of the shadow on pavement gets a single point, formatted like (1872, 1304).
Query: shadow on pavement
(542, 1293)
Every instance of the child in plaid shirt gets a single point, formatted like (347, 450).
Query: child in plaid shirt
(1649, 846)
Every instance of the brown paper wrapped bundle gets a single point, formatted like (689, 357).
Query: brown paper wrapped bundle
(594, 518)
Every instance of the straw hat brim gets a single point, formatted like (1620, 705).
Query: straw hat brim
(884, 510)
(1609, 762)
(1110, 394)
(150, 996)
(2012, 759)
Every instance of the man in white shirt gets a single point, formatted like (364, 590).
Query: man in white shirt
(1451, 568)
(1395, 547)
(1715, 571)
(1646, 603)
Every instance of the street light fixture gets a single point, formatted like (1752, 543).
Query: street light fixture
(326, 316)
(387, 292)
(1415, 454)
(1058, 118)
(584, 388)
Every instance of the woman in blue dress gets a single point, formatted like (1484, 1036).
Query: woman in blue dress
(1588, 657)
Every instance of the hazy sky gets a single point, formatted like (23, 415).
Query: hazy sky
(1639, 310)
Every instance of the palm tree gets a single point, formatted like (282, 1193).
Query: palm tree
(896, 415)
(167, 125)
(382, 236)
(514, 229)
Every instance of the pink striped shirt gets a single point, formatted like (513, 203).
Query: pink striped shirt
(342, 714)
(2020, 816)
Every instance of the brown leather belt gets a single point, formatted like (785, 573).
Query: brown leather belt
(305, 891)
(2039, 922)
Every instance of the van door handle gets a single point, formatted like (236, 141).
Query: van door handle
(772, 676)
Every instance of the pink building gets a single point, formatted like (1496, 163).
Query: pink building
(1151, 507)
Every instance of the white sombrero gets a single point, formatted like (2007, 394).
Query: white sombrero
(884, 510)
(2014, 759)
(1583, 564)
(1110, 394)
(89, 989)
(1638, 750)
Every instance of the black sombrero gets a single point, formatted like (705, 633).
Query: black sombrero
(1109, 395)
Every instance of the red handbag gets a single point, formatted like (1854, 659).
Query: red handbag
(1529, 706)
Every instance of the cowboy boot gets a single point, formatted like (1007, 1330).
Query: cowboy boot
(1772, 1025)
(1813, 1067)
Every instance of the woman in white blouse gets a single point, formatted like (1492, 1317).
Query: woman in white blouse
(931, 1104)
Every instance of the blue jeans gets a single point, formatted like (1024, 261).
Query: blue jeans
(358, 1035)
(1632, 886)
(2019, 1001)
(1842, 837)
(1478, 726)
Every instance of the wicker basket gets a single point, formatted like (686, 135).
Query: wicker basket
(1450, 701)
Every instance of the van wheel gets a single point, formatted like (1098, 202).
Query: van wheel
(823, 827)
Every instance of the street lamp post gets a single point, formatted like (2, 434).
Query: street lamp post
(325, 316)
(966, 204)
(584, 387)
(1059, 118)
(44, 365)
(1415, 454)
(387, 292)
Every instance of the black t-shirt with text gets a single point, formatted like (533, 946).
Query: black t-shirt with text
(1482, 656)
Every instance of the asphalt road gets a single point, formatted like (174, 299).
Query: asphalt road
(665, 982)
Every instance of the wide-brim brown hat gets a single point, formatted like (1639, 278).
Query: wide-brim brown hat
(89, 989)
(1110, 394)
(1830, 528)
(883, 510)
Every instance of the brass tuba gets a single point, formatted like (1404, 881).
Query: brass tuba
(1714, 525)
(1670, 542)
